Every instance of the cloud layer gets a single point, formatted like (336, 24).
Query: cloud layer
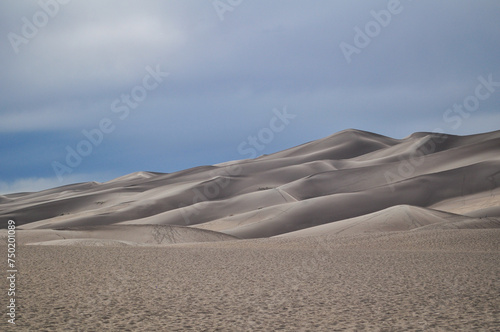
(226, 77)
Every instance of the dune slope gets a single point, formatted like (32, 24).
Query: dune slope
(352, 181)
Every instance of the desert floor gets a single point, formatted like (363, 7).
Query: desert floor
(427, 280)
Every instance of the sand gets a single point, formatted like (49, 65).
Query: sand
(438, 280)
(346, 175)
(356, 231)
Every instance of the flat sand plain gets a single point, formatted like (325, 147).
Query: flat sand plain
(432, 280)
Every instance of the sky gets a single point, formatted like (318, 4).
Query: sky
(92, 90)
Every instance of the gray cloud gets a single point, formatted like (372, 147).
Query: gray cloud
(227, 76)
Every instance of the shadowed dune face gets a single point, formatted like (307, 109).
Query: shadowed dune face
(351, 182)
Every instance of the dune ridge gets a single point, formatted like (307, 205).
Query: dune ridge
(367, 181)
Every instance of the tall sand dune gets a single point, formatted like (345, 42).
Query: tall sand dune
(347, 175)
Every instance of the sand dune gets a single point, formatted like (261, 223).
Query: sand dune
(394, 219)
(344, 176)
(355, 231)
(86, 243)
(152, 235)
(492, 212)
(469, 203)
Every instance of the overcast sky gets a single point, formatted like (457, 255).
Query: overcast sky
(92, 90)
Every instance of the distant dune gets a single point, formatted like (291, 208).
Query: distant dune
(120, 235)
(398, 218)
(349, 183)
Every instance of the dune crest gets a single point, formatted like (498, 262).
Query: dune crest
(350, 182)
